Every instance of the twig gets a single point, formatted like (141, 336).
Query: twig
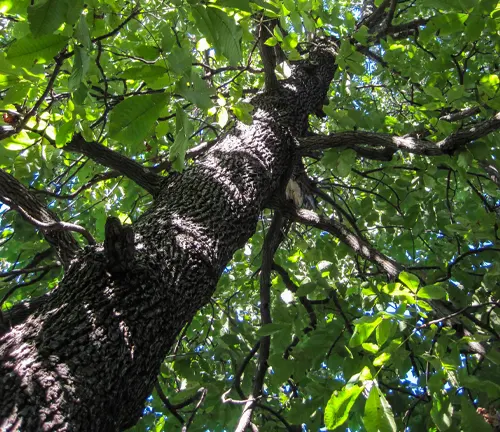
(167, 403)
(191, 418)
(28, 270)
(135, 11)
(458, 312)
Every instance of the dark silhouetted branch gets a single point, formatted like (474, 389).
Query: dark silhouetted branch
(114, 160)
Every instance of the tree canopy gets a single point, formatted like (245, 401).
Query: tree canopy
(383, 307)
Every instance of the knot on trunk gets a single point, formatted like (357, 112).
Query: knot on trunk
(118, 245)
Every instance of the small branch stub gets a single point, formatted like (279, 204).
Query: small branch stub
(118, 245)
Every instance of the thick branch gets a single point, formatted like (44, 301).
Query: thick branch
(111, 159)
(20, 311)
(361, 247)
(267, 52)
(407, 144)
(492, 171)
(17, 196)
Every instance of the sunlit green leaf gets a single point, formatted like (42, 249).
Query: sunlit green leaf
(47, 16)
(378, 416)
(339, 406)
(132, 119)
(31, 50)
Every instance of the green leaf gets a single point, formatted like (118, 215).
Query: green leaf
(179, 147)
(65, 133)
(289, 4)
(269, 329)
(384, 331)
(410, 280)
(220, 30)
(30, 50)
(339, 406)
(160, 425)
(364, 328)
(180, 61)
(222, 117)
(471, 420)
(243, 5)
(82, 33)
(306, 289)
(435, 291)
(144, 72)
(272, 41)
(381, 359)
(378, 416)
(345, 162)
(80, 68)
(204, 24)
(197, 91)
(75, 8)
(296, 21)
(47, 16)
(441, 411)
(229, 35)
(362, 35)
(308, 22)
(370, 347)
(434, 92)
(132, 119)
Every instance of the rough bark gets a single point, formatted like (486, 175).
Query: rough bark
(89, 356)
(16, 195)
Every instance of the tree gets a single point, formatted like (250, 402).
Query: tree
(249, 215)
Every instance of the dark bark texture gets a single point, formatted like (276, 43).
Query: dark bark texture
(89, 356)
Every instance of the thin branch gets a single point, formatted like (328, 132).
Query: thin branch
(242, 367)
(458, 312)
(288, 426)
(7, 131)
(28, 270)
(199, 150)
(167, 403)
(57, 68)
(135, 11)
(203, 394)
(464, 255)
(267, 54)
(313, 321)
(94, 180)
(271, 243)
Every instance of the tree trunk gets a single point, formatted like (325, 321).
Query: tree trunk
(88, 358)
